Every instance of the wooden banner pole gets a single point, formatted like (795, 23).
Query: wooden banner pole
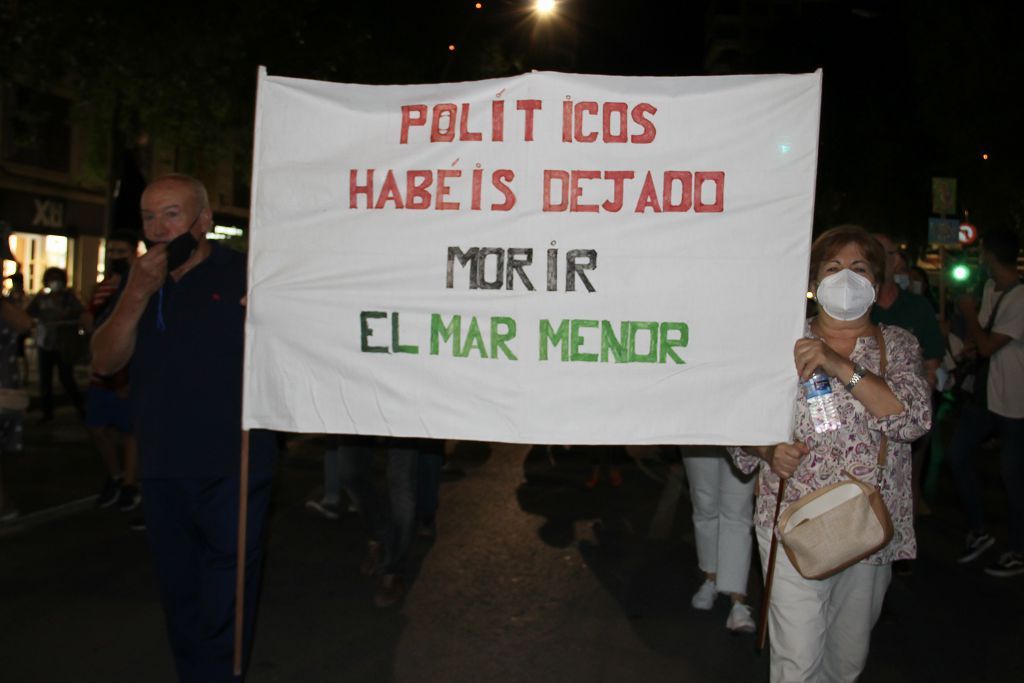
(766, 598)
(243, 517)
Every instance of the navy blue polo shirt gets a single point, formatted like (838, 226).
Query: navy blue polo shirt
(187, 376)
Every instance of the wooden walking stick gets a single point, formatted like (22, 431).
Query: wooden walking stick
(762, 628)
(243, 518)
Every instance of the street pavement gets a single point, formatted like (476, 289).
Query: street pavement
(531, 578)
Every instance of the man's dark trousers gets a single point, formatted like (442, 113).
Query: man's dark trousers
(192, 526)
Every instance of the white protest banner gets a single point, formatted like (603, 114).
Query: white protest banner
(549, 258)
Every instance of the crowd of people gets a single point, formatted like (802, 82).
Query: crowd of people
(59, 325)
(874, 333)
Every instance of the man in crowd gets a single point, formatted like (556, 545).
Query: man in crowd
(390, 522)
(898, 306)
(995, 334)
(180, 321)
(107, 408)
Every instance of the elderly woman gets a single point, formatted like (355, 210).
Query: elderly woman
(820, 629)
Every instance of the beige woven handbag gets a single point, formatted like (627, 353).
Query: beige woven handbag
(839, 525)
(836, 526)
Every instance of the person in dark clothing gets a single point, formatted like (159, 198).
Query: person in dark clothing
(994, 338)
(180, 321)
(13, 399)
(57, 311)
(107, 406)
(390, 521)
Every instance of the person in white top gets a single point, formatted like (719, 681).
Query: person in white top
(995, 334)
(723, 514)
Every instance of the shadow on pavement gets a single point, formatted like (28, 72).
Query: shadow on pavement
(651, 579)
(317, 616)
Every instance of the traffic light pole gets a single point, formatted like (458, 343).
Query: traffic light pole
(942, 284)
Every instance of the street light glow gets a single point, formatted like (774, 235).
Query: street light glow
(544, 7)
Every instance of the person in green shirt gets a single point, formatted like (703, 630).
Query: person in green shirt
(898, 306)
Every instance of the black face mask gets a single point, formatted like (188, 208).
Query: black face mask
(119, 266)
(180, 249)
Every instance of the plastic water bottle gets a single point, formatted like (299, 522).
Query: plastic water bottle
(821, 403)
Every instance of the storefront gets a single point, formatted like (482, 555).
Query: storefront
(231, 231)
(46, 231)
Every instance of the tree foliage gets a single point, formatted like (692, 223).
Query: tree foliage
(187, 71)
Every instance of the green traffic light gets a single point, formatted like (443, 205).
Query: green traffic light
(961, 273)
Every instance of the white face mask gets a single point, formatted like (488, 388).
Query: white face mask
(845, 295)
(902, 280)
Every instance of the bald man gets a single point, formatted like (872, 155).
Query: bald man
(180, 324)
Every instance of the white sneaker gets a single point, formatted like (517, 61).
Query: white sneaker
(740, 619)
(325, 508)
(705, 596)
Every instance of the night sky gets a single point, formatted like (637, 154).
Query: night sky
(908, 94)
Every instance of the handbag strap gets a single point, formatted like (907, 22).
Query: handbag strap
(883, 363)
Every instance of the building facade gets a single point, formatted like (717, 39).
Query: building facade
(64, 187)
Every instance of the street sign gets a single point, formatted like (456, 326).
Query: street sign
(944, 231)
(968, 234)
(944, 196)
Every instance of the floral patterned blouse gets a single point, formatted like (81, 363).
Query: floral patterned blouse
(854, 446)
